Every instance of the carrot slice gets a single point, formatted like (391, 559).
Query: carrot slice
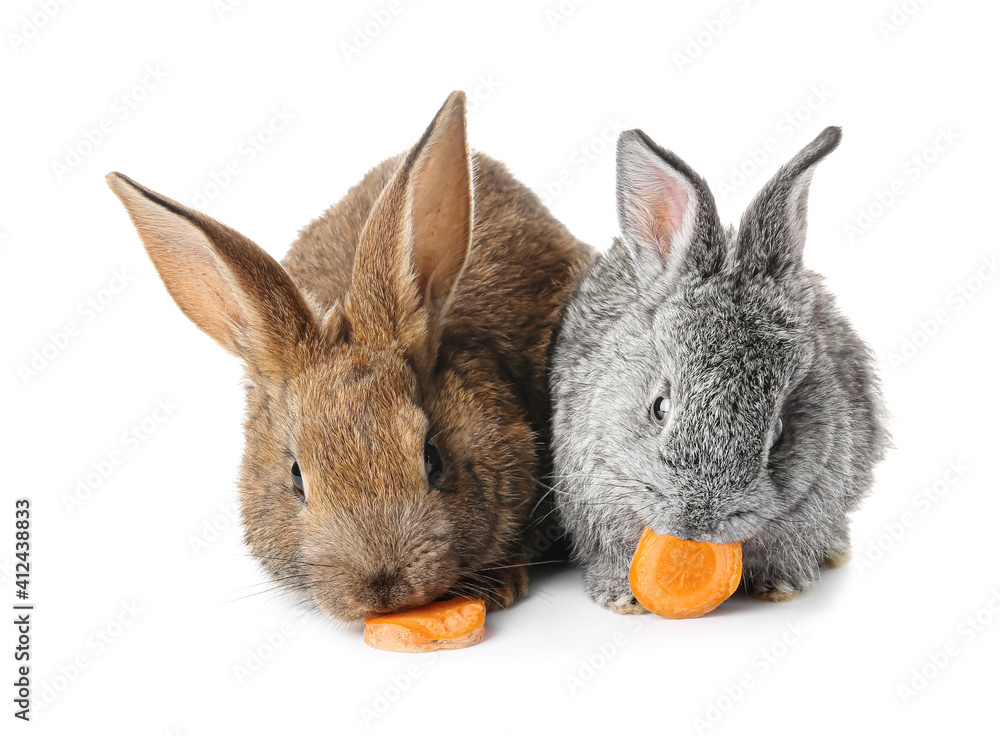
(453, 624)
(678, 578)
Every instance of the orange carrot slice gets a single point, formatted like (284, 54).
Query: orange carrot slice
(678, 578)
(453, 624)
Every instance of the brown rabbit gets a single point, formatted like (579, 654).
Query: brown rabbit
(397, 408)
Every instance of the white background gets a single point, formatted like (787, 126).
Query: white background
(551, 84)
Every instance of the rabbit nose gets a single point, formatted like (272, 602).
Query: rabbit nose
(696, 533)
(697, 523)
(384, 591)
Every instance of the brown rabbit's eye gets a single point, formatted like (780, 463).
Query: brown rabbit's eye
(432, 463)
(659, 410)
(300, 487)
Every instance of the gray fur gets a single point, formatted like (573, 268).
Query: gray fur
(743, 334)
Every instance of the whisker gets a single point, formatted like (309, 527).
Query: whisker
(523, 564)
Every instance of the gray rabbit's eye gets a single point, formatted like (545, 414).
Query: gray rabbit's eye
(300, 486)
(659, 410)
(776, 431)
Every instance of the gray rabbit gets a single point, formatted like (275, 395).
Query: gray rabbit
(706, 385)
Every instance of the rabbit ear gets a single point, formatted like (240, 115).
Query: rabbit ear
(773, 229)
(414, 246)
(228, 286)
(665, 210)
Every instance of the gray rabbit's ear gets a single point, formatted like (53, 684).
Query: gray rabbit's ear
(666, 212)
(773, 229)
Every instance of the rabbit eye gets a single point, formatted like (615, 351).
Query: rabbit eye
(432, 463)
(659, 410)
(300, 487)
(776, 431)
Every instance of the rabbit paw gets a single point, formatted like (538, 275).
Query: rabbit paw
(776, 592)
(615, 595)
(499, 589)
(780, 573)
(778, 586)
(511, 586)
(838, 560)
(626, 605)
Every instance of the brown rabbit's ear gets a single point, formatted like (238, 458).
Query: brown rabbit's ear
(228, 286)
(414, 246)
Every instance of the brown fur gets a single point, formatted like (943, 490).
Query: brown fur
(387, 327)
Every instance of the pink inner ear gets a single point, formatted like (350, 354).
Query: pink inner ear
(661, 201)
(441, 206)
